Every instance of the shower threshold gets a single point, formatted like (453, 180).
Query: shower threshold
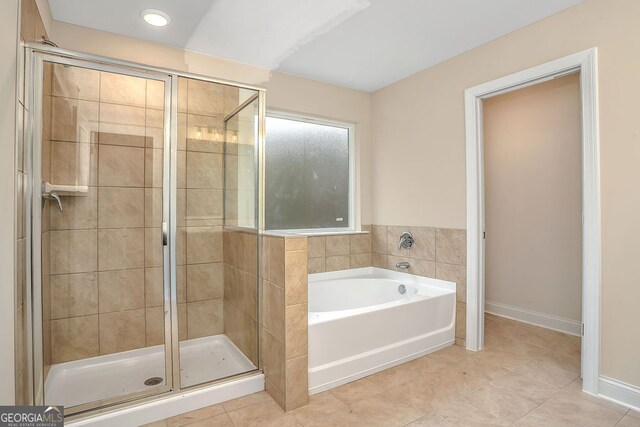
(119, 374)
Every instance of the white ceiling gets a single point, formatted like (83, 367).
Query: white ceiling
(360, 44)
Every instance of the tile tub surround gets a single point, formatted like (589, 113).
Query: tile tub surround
(284, 319)
(437, 252)
(340, 251)
(511, 382)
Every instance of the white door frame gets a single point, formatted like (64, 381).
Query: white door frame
(586, 64)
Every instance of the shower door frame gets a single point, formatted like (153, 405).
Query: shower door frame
(37, 59)
(35, 56)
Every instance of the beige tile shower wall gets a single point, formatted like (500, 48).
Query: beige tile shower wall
(200, 205)
(436, 252)
(284, 320)
(339, 252)
(241, 290)
(105, 248)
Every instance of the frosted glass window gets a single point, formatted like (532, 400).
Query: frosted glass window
(307, 175)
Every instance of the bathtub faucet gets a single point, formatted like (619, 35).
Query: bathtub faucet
(406, 240)
(403, 265)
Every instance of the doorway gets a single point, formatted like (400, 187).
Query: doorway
(584, 63)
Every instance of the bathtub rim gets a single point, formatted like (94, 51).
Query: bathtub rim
(444, 287)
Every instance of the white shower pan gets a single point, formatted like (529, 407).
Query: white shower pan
(102, 377)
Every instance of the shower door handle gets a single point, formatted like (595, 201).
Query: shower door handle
(165, 238)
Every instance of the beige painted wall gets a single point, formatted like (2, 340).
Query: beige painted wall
(532, 160)
(284, 91)
(418, 123)
(8, 53)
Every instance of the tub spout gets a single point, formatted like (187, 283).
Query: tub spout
(403, 264)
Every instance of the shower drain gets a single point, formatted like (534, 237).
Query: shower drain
(153, 381)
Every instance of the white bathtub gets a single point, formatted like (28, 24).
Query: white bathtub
(359, 322)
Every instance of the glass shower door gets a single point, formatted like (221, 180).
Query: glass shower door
(102, 290)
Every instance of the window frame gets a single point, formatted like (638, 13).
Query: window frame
(354, 224)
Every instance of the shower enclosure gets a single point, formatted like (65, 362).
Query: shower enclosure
(143, 229)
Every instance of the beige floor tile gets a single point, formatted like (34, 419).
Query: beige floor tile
(320, 405)
(451, 354)
(526, 387)
(580, 410)
(634, 414)
(241, 402)
(547, 372)
(355, 391)
(193, 416)
(266, 413)
(370, 412)
(221, 420)
(543, 417)
(458, 414)
(392, 377)
(575, 387)
(501, 403)
(629, 421)
(424, 397)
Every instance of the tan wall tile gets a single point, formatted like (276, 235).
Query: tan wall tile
(250, 253)
(296, 331)
(338, 245)
(121, 166)
(73, 120)
(74, 338)
(183, 94)
(153, 167)
(76, 82)
(79, 212)
(316, 247)
(74, 163)
(242, 330)
(205, 207)
(454, 273)
(276, 261)
(316, 265)
(120, 207)
(152, 207)
(378, 238)
(73, 251)
(122, 331)
(154, 128)
(204, 244)
(205, 281)
(393, 238)
(296, 277)
(451, 246)
(121, 249)
(274, 309)
(360, 260)
(205, 133)
(122, 125)
(295, 244)
(341, 262)
(155, 94)
(424, 243)
(360, 243)
(297, 393)
(153, 250)
(74, 295)
(182, 322)
(205, 98)
(204, 318)
(273, 359)
(154, 326)
(121, 290)
(276, 394)
(204, 170)
(153, 285)
(121, 89)
(379, 260)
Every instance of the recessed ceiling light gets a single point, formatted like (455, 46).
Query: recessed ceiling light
(155, 17)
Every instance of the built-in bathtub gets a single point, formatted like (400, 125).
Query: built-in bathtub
(361, 322)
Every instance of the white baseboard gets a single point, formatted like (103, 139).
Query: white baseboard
(619, 392)
(561, 324)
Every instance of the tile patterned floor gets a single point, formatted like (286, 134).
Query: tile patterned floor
(526, 376)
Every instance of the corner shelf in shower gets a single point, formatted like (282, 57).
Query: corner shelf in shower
(66, 190)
